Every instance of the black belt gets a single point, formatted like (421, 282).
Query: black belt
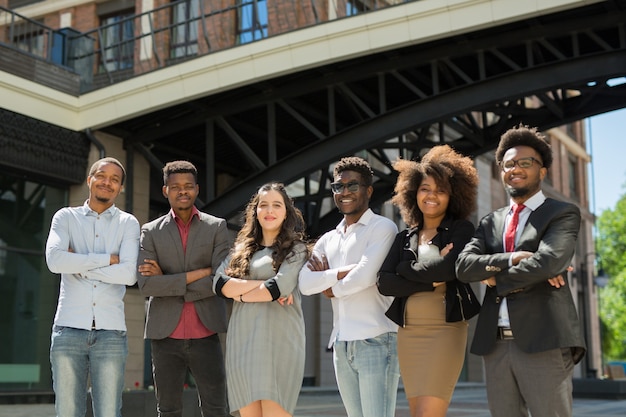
(505, 333)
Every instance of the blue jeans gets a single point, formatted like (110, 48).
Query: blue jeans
(171, 358)
(77, 355)
(367, 374)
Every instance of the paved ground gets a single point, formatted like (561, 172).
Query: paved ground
(469, 401)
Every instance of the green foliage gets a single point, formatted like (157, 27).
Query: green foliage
(611, 250)
(613, 316)
(611, 239)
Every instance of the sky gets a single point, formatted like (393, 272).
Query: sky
(607, 143)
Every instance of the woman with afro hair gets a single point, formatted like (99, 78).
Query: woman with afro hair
(435, 197)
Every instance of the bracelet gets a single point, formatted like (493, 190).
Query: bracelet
(241, 298)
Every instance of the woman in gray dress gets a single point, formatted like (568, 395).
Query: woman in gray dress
(265, 343)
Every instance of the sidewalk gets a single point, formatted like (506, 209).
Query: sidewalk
(469, 400)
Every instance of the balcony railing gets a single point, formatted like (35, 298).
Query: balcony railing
(136, 44)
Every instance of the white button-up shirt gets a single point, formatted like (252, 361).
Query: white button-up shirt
(358, 308)
(79, 247)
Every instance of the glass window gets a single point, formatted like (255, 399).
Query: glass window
(117, 39)
(13, 4)
(252, 20)
(185, 17)
(29, 290)
(354, 7)
(30, 37)
(573, 176)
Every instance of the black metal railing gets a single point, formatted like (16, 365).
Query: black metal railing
(136, 44)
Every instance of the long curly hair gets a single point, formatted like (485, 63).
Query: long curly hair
(452, 172)
(250, 236)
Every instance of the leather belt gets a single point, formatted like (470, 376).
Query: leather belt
(505, 333)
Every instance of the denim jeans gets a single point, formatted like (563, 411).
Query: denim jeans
(367, 374)
(77, 355)
(171, 358)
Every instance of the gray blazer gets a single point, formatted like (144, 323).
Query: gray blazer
(542, 317)
(207, 245)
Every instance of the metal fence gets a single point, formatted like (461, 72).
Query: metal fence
(131, 45)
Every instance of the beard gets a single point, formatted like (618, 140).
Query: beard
(102, 199)
(518, 192)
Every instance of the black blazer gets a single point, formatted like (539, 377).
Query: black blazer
(401, 275)
(542, 317)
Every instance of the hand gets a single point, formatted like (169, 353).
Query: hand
(149, 268)
(342, 274)
(318, 264)
(115, 259)
(437, 284)
(557, 281)
(328, 292)
(286, 300)
(519, 256)
(446, 249)
(490, 282)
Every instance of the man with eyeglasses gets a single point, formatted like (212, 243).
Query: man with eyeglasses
(528, 331)
(179, 253)
(344, 267)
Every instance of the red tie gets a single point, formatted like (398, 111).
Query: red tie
(509, 236)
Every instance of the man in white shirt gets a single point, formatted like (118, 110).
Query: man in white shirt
(344, 267)
(94, 247)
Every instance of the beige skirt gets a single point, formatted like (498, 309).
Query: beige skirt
(431, 351)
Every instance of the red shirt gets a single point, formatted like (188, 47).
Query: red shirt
(189, 326)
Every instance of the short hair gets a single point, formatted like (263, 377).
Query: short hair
(452, 172)
(107, 160)
(354, 163)
(179, 167)
(525, 136)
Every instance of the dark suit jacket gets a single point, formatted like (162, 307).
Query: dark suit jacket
(542, 317)
(207, 245)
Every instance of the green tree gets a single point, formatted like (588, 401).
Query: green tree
(611, 250)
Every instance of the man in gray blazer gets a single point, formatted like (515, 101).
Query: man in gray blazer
(528, 331)
(178, 255)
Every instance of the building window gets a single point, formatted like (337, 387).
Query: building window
(252, 20)
(30, 37)
(14, 4)
(29, 289)
(573, 176)
(117, 37)
(185, 28)
(354, 7)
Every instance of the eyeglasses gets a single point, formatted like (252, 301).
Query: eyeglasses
(338, 187)
(523, 163)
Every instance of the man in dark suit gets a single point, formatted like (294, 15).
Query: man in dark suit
(528, 330)
(178, 255)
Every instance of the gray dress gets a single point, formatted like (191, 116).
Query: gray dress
(265, 343)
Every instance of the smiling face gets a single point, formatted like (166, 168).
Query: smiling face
(181, 191)
(352, 204)
(271, 212)
(105, 184)
(432, 201)
(523, 183)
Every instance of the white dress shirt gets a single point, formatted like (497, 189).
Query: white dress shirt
(358, 308)
(79, 247)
